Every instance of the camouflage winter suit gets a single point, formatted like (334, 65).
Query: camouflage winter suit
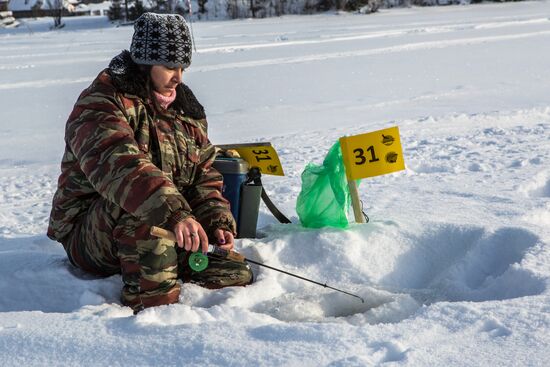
(128, 165)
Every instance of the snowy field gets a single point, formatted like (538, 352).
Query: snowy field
(454, 264)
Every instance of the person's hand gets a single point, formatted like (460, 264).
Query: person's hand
(190, 235)
(225, 239)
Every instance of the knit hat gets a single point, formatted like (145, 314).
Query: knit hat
(161, 39)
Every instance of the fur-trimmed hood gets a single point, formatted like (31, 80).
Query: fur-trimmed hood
(127, 77)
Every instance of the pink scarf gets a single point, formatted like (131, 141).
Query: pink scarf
(165, 101)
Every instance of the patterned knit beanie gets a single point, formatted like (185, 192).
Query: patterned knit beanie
(161, 39)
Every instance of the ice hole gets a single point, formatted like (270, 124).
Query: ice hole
(379, 306)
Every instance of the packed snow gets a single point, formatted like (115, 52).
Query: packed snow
(454, 265)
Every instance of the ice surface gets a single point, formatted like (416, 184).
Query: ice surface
(454, 265)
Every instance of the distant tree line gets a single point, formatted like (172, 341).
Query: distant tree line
(220, 9)
(126, 9)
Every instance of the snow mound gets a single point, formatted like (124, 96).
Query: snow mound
(393, 270)
(539, 216)
(539, 186)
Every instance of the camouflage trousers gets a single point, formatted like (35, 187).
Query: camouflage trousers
(108, 241)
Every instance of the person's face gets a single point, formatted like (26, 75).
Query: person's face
(165, 80)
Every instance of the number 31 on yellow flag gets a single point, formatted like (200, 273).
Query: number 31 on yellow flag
(262, 155)
(372, 154)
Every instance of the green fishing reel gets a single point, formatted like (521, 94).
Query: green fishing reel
(198, 261)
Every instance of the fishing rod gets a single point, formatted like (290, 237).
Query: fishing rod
(198, 261)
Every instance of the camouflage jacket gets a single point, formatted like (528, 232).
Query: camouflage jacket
(155, 164)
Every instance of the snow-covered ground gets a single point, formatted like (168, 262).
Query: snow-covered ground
(454, 265)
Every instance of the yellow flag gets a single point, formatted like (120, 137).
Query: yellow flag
(261, 155)
(372, 154)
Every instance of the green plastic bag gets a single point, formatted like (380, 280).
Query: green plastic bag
(324, 199)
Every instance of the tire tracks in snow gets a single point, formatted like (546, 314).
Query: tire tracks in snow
(445, 28)
(46, 83)
(371, 52)
(406, 47)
